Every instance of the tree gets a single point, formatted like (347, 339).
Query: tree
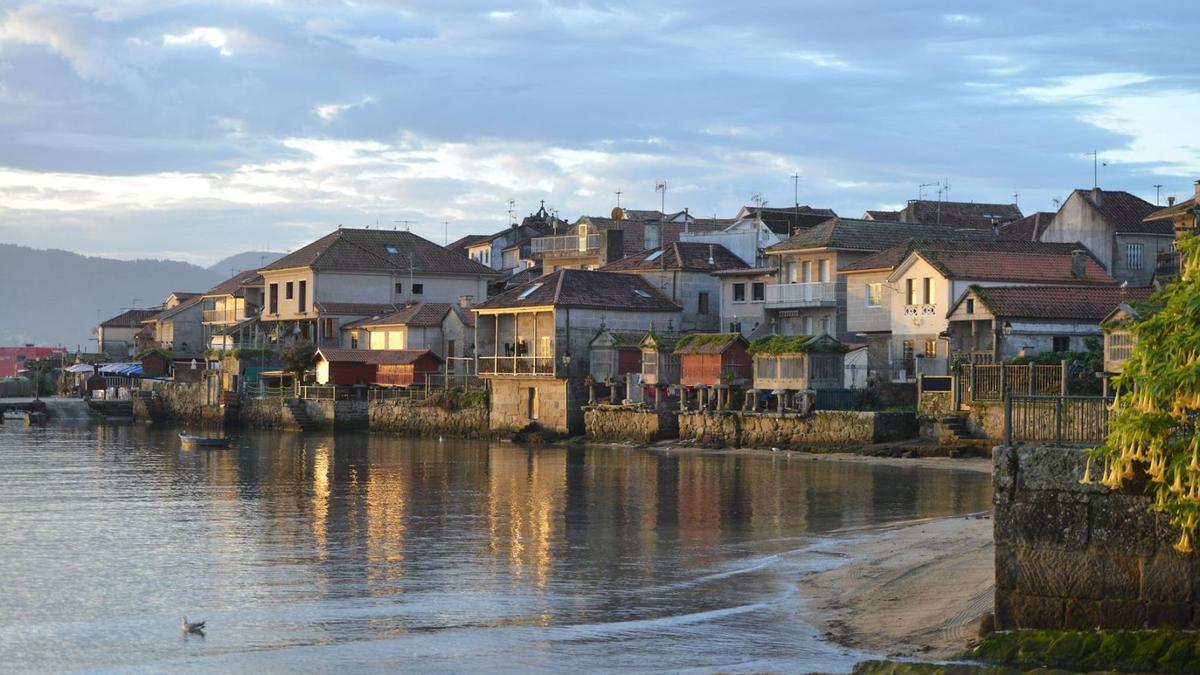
(298, 357)
(1153, 427)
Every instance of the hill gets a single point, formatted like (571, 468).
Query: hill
(52, 296)
(240, 262)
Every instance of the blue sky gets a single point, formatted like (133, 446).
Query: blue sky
(191, 130)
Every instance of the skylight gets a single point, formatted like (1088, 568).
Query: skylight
(641, 293)
(654, 256)
(529, 291)
(392, 250)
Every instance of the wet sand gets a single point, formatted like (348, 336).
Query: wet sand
(913, 590)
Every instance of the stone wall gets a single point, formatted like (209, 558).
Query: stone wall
(1074, 556)
(559, 404)
(987, 419)
(821, 429)
(177, 402)
(629, 425)
(267, 413)
(936, 404)
(403, 417)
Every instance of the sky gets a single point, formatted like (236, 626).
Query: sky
(194, 130)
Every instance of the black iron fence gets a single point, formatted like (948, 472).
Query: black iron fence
(1061, 420)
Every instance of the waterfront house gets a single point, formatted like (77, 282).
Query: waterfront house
(683, 272)
(443, 328)
(798, 362)
(386, 368)
(229, 318)
(909, 288)
(660, 363)
(1112, 225)
(178, 328)
(993, 324)
(353, 274)
(533, 342)
(615, 353)
(711, 359)
(743, 297)
(508, 251)
(116, 336)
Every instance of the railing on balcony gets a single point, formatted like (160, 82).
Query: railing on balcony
(1167, 264)
(564, 245)
(801, 295)
(225, 315)
(536, 366)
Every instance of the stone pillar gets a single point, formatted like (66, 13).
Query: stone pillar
(751, 402)
(591, 393)
(612, 391)
(702, 397)
(722, 396)
(683, 397)
(779, 394)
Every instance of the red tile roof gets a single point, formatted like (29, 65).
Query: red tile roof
(683, 256)
(1046, 267)
(354, 250)
(890, 258)
(129, 318)
(354, 308)
(1030, 227)
(1084, 303)
(374, 356)
(1125, 212)
(418, 314)
(582, 288)
(962, 214)
(870, 235)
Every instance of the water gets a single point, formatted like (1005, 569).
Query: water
(366, 552)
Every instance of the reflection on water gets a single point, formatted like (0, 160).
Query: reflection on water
(379, 552)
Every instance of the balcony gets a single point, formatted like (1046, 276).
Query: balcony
(532, 366)
(1166, 265)
(225, 316)
(564, 246)
(813, 294)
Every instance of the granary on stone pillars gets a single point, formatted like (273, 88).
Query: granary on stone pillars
(785, 365)
(717, 363)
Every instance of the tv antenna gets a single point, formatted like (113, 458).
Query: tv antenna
(445, 233)
(758, 200)
(661, 186)
(1057, 203)
(1096, 164)
(406, 223)
(796, 188)
(1016, 197)
(1157, 194)
(618, 193)
(512, 209)
(921, 190)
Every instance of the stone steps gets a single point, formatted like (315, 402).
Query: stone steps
(300, 413)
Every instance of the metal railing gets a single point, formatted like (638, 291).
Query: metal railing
(539, 366)
(564, 244)
(987, 383)
(1061, 420)
(792, 295)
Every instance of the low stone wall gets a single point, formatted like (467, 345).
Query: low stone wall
(267, 413)
(1074, 556)
(177, 402)
(403, 417)
(987, 419)
(936, 404)
(821, 429)
(629, 424)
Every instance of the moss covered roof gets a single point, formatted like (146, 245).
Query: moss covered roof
(797, 344)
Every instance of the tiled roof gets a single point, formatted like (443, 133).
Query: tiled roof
(353, 250)
(709, 343)
(890, 258)
(460, 245)
(1029, 228)
(182, 307)
(582, 288)
(418, 314)
(963, 214)
(892, 216)
(236, 284)
(1169, 212)
(870, 235)
(1048, 267)
(687, 257)
(129, 318)
(353, 308)
(375, 357)
(1126, 212)
(1086, 303)
(746, 272)
(785, 221)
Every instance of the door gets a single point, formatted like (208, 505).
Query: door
(532, 403)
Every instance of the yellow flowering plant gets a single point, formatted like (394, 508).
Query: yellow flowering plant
(1153, 421)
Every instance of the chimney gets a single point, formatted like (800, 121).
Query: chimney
(1197, 188)
(465, 301)
(612, 245)
(1171, 200)
(1078, 269)
(710, 255)
(1097, 196)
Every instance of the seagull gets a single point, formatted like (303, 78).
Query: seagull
(197, 627)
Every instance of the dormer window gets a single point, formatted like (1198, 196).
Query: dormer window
(528, 291)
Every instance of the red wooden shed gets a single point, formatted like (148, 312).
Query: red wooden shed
(384, 367)
(714, 358)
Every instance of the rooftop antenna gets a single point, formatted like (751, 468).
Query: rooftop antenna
(796, 188)
(1016, 196)
(758, 200)
(512, 206)
(1096, 164)
(1057, 203)
(1157, 194)
(445, 233)
(618, 193)
(406, 223)
(921, 190)
(661, 186)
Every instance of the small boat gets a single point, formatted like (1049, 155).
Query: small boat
(204, 441)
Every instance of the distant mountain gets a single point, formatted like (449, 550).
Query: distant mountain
(241, 262)
(52, 297)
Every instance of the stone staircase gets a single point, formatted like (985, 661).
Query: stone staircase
(300, 413)
(957, 426)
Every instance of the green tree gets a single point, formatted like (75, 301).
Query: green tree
(298, 357)
(1153, 427)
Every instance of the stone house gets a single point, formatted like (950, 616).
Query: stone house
(230, 313)
(115, 336)
(533, 342)
(907, 291)
(993, 324)
(353, 274)
(683, 273)
(445, 329)
(743, 297)
(1112, 225)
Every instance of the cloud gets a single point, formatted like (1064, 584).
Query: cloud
(819, 59)
(1083, 87)
(331, 111)
(961, 19)
(201, 35)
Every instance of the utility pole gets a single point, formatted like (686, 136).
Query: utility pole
(445, 233)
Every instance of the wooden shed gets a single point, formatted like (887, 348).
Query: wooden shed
(614, 353)
(155, 362)
(1119, 340)
(384, 367)
(798, 362)
(714, 358)
(660, 365)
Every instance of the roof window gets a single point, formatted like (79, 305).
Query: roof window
(528, 291)
(641, 293)
(392, 250)
(654, 256)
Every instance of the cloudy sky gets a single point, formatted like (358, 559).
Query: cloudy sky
(164, 128)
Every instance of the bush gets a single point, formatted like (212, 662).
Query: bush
(298, 357)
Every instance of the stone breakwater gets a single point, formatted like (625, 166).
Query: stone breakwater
(821, 429)
(1075, 556)
(629, 425)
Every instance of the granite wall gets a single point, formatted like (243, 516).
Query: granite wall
(557, 404)
(629, 424)
(1074, 556)
(177, 402)
(823, 429)
(407, 418)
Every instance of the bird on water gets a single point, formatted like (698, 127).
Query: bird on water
(197, 627)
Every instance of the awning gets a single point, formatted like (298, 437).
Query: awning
(122, 369)
(81, 368)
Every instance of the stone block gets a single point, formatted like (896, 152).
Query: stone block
(1122, 577)
(1031, 611)
(1004, 471)
(1166, 535)
(1081, 615)
(1166, 578)
(1122, 614)
(1064, 574)
(1006, 567)
(1004, 611)
(1123, 525)
(1045, 522)
(1168, 615)
(1057, 469)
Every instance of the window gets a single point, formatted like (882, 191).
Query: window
(875, 294)
(823, 270)
(927, 287)
(288, 292)
(640, 293)
(1133, 256)
(399, 288)
(301, 304)
(528, 291)
(654, 256)
(329, 329)
(758, 291)
(378, 339)
(970, 305)
(1062, 343)
(735, 326)
(910, 292)
(273, 304)
(930, 348)
(391, 250)
(702, 303)
(353, 339)
(418, 289)
(907, 354)
(449, 349)
(739, 292)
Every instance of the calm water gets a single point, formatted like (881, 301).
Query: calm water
(358, 552)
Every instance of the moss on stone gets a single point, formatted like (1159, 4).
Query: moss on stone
(1150, 651)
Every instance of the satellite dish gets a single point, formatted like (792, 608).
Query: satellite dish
(618, 213)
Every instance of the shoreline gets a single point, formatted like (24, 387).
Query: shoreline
(974, 464)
